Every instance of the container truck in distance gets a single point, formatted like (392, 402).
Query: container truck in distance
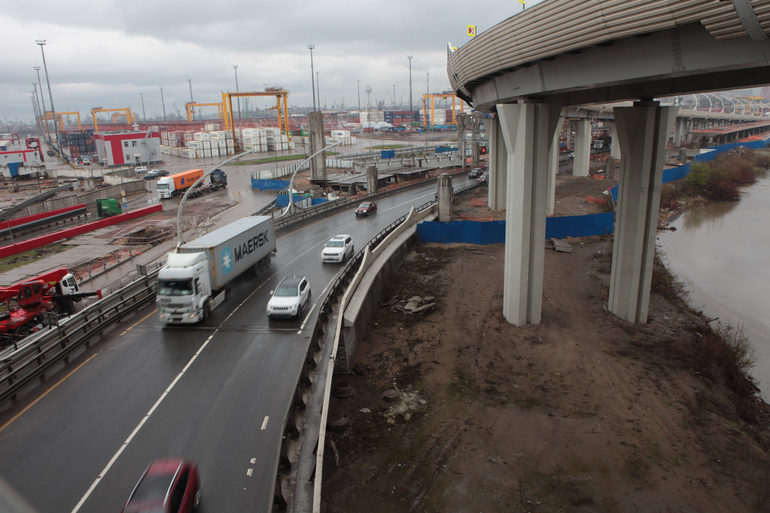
(194, 280)
(172, 185)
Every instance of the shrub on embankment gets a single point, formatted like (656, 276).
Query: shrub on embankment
(717, 180)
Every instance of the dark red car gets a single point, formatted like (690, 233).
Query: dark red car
(168, 485)
(366, 208)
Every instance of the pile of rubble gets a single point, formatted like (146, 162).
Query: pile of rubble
(413, 305)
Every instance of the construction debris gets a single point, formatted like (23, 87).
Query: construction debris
(413, 305)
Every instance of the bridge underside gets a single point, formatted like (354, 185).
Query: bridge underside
(682, 60)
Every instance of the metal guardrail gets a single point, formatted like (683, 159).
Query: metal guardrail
(42, 351)
(336, 205)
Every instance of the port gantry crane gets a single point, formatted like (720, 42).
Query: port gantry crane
(281, 107)
(60, 117)
(127, 111)
(432, 98)
(189, 106)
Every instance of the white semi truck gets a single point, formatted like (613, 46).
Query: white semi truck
(194, 280)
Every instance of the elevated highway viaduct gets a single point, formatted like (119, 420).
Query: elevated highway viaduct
(561, 54)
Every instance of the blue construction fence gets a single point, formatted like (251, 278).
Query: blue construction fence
(269, 185)
(493, 232)
(282, 200)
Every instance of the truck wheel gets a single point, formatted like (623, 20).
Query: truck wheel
(206, 311)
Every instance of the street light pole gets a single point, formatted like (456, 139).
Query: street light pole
(235, 67)
(312, 73)
(163, 102)
(42, 99)
(37, 108)
(144, 115)
(318, 88)
(41, 43)
(411, 114)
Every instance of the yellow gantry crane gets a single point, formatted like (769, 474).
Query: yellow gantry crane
(127, 111)
(189, 106)
(432, 98)
(60, 118)
(281, 107)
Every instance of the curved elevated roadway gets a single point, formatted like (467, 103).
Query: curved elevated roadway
(530, 68)
(214, 393)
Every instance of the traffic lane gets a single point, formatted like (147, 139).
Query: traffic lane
(80, 422)
(300, 248)
(227, 410)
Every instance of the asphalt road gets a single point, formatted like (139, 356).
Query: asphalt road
(216, 393)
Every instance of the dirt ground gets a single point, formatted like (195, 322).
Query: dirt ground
(581, 413)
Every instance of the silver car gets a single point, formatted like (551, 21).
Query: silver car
(289, 298)
(338, 249)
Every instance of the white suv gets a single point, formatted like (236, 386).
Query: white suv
(289, 298)
(337, 249)
(141, 169)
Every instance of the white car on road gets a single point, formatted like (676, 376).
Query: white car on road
(338, 249)
(289, 298)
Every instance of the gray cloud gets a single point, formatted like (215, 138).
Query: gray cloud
(104, 54)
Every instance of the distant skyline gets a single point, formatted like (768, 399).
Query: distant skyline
(104, 54)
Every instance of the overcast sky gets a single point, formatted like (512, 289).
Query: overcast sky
(105, 53)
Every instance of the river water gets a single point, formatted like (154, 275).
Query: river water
(721, 252)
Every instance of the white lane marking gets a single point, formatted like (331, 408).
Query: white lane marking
(140, 425)
(253, 461)
(249, 472)
(264, 425)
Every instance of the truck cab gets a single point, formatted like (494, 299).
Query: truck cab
(165, 187)
(183, 288)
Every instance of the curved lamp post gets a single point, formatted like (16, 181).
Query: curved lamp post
(179, 234)
(290, 206)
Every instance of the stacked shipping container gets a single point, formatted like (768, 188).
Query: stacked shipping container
(80, 143)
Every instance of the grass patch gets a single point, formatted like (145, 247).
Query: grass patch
(33, 255)
(387, 147)
(268, 160)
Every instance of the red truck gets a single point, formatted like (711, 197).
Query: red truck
(22, 305)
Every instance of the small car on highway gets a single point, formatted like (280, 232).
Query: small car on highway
(168, 485)
(338, 249)
(155, 173)
(475, 172)
(289, 298)
(366, 208)
(482, 179)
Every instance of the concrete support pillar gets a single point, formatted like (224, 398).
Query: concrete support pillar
(475, 122)
(553, 170)
(528, 131)
(582, 162)
(498, 165)
(643, 130)
(614, 145)
(679, 132)
(315, 122)
(444, 198)
(372, 179)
